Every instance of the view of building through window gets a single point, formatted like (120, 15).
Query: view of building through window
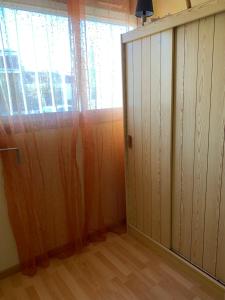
(34, 78)
(36, 69)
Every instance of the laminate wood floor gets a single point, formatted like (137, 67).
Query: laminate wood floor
(119, 268)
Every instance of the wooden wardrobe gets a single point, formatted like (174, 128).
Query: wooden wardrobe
(174, 109)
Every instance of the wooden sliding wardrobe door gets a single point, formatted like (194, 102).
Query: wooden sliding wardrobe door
(214, 234)
(187, 49)
(198, 201)
(148, 131)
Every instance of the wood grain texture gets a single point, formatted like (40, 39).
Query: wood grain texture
(195, 273)
(198, 12)
(146, 133)
(205, 55)
(178, 139)
(125, 125)
(220, 263)
(129, 121)
(216, 149)
(166, 134)
(137, 64)
(198, 208)
(149, 90)
(120, 268)
(156, 135)
(190, 76)
(184, 127)
(197, 2)
(198, 205)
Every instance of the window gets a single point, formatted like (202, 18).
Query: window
(104, 64)
(35, 63)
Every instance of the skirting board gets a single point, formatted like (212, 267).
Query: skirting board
(178, 261)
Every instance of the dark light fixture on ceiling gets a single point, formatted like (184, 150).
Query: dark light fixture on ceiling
(144, 9)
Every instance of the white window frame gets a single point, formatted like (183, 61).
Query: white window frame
(39, 6)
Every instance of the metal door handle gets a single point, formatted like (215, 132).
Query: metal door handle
(12, 149)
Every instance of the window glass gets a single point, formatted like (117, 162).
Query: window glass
(35, 63)
(104, 61)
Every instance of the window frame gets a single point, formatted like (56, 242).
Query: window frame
(50, 7)
(60, 9)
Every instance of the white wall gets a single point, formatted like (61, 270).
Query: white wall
(8, 252)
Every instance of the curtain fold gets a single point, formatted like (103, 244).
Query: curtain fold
(61, 107)
(43, 192)
(101, 127)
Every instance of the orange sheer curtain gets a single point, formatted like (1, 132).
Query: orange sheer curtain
(67, 184)
(43, 188)
(101, 127)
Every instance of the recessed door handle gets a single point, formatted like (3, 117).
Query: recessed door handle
(12, 149)
(129, 141)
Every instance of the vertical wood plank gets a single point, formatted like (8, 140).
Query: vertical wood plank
(125, 125)
(216, 150)
(190, 76)
(151, 93)
(166, 134)
(178, 138)
(137, 63)
(146, 132)
(156, 135)
(206, 36)
(220, 264)
(131, 193)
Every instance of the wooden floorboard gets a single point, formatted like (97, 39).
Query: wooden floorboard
(119, 268)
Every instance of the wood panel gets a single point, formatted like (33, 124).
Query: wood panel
(156, 135)
(146, 131)
(178, 139)
(198, 202)
(186, 68)
(137, 63)
(205, 55)
(198, 186)
(197, 2)
(131, 191)
(216, 149)
(220, 269)
(198, 12)
(150, 93)
(166, 134)
(190, 76)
